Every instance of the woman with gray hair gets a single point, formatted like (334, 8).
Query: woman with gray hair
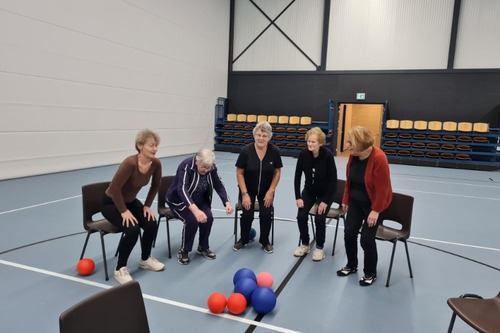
(190, 198)
(258, 171)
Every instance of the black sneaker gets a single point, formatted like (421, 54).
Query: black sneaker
(346, 271)
(367, 280)
(183, 257)
(238, 245)
(268, 248)
(206, 253)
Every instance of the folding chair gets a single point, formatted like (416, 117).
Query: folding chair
(91, 200)
(164, 210)
(335, 212)
(482, 314)
(400, 211)
(117, 309)
(238, 207)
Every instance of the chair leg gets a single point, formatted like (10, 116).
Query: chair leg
(335, 237)
(452, 322)
(158, 227)
(168, 239)
(85, 245)
(236, 226)
(118, 247)
(392, 260)
(104, 255)
(272, 226)
(408, 257)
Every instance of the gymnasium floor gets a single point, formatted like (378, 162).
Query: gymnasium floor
(454, 249)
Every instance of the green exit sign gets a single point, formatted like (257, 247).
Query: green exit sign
(360, 96)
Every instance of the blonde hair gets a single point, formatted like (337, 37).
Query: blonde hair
(144, 135)
(361, 136)
(319, 133)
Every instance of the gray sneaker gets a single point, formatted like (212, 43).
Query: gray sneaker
(182, 257)
(268, 248)
(238, 245)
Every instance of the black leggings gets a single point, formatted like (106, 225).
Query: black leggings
(319, 220)
(131, 233)
(265, 221)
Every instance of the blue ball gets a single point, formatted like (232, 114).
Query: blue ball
(245, 286)
(244, 273)
(252, 234)
(263, 300)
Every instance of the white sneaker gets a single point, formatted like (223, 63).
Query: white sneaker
(318, 255)
(151, 264)
(123, 275)
(302, 250)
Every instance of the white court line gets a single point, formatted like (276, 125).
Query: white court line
(38, 205)
(150, 297)
(446, 194)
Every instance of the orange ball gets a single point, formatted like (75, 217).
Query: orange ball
(217, 302)
(85, 266)
(236, 303)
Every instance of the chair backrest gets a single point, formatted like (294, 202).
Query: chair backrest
(117, 309)
(339, 194)
(91, 200)
(166, 182)
(400, 211)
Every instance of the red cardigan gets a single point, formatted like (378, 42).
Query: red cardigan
(377, 180)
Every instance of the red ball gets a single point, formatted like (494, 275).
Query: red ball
(217, 302)
(236, 303)
(85, 266)
(265, 279)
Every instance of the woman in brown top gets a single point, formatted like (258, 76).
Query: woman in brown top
(121, 207)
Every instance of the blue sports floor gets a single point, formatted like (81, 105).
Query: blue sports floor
(454, 249)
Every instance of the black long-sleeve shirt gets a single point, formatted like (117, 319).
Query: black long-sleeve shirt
(320, 175)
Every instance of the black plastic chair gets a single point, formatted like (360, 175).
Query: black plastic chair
(481, 314)
(163, 210)
(400, 211)
(91, 199)
(238, 208)
(335, 213)
(117, 309)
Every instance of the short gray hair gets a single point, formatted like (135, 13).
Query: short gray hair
(205, 157)
(264, 127)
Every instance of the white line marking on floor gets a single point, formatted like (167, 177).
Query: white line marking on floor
(150, 297)
(38, 205)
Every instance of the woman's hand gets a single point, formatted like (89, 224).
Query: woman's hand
(128, 219)
(300, 203)
(245, 202)
(148, 213)
(268, 199)
(345, 208)
(372, 218)
(229, 208)
(322, 208)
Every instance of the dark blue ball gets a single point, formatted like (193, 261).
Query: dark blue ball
(263, 300)
(245, 286)
(244, 273)
(252, 234)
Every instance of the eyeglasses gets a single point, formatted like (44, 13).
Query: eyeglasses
(205, 167)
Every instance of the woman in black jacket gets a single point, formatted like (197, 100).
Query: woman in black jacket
(318, 165)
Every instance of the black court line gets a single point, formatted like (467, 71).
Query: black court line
(456, 255)
(280, 288)
(42, 241)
